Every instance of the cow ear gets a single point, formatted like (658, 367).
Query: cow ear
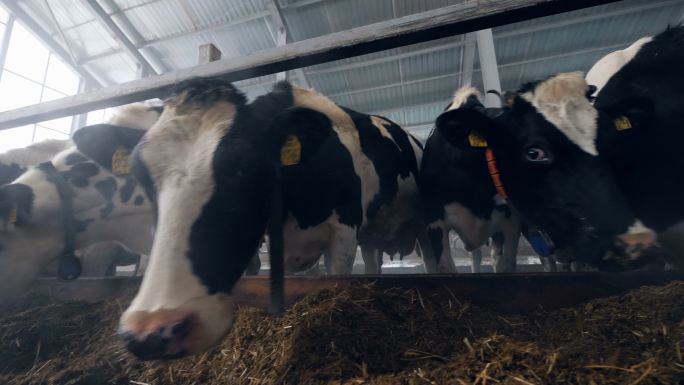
(630, 113)
(106, 144)
(465, 127)
(300, 134)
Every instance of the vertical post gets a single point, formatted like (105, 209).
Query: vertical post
(79, 120)
(488, 66)
(468, 60)
(208, 53)
(281, 39)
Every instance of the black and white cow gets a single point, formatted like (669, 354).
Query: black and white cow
(211, 161)
(16, 161)
(545, 148)
(639, 96)
(459, 194)
(85, 195)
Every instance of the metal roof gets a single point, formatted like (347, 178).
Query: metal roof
(410, 84)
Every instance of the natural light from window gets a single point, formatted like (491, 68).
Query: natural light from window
(32, 74)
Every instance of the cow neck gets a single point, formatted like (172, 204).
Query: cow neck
(495, 174)
(69, 265)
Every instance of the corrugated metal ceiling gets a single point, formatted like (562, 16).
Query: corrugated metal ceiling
(408, 84)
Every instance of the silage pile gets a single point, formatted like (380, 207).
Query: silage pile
(365, 335)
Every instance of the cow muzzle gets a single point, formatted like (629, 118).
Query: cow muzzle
(637, 241)
(161, 334)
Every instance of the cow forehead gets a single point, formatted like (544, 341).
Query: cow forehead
(562, 101)
(186, 123)
(609, 65)
(461, 97)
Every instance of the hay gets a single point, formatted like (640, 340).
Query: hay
(363, 335)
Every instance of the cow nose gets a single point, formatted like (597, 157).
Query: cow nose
(153, 340)
(637, 240)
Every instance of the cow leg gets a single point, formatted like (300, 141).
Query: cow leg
(496, 252)
(434, 244)
(548, 264)
(341, 251)
(476, 260)
(101, 259)
(254, 265)
(504, 250)
(370, 260)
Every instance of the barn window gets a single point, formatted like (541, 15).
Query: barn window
(31, 74)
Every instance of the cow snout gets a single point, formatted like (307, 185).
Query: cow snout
(636, 241)
(160, 334)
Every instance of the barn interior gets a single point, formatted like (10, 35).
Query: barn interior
(65, 65)
(79, 46)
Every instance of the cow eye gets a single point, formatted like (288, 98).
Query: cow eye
(537, 155)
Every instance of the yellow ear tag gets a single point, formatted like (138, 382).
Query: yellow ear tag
(622, 123)
(291, 152)
(476, 140)
(12, 217)
(121, 161)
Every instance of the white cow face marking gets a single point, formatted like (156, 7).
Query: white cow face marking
(610, 64)
(562, 100)
(199, 250)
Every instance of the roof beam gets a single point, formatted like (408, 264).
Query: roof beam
(447, 21)
(209, 28)
(45, 37)
(103, 17)
(512, 33)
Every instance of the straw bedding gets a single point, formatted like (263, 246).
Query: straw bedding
(364, 335)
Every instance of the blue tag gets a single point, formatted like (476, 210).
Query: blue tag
(540, 243)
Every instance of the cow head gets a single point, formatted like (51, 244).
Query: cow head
(545, 149)
(105, 203)
(209, 163)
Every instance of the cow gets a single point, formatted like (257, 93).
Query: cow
(638, 92)
(83, 196)
(211, 164)
(458, 194)
(98, 259)
(545, 147)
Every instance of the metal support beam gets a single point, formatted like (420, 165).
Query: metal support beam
(510, 33)
(435, 24)
(488, 67)
(4, 45)
(468, 60)
(118, 35)
(281, 37)
(13, 7)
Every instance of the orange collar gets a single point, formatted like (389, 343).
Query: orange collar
(494, 173)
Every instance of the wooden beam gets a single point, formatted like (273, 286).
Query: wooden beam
(506, 293)
(412, 29)
(208, 53)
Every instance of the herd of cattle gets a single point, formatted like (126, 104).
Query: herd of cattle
(586, 167)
